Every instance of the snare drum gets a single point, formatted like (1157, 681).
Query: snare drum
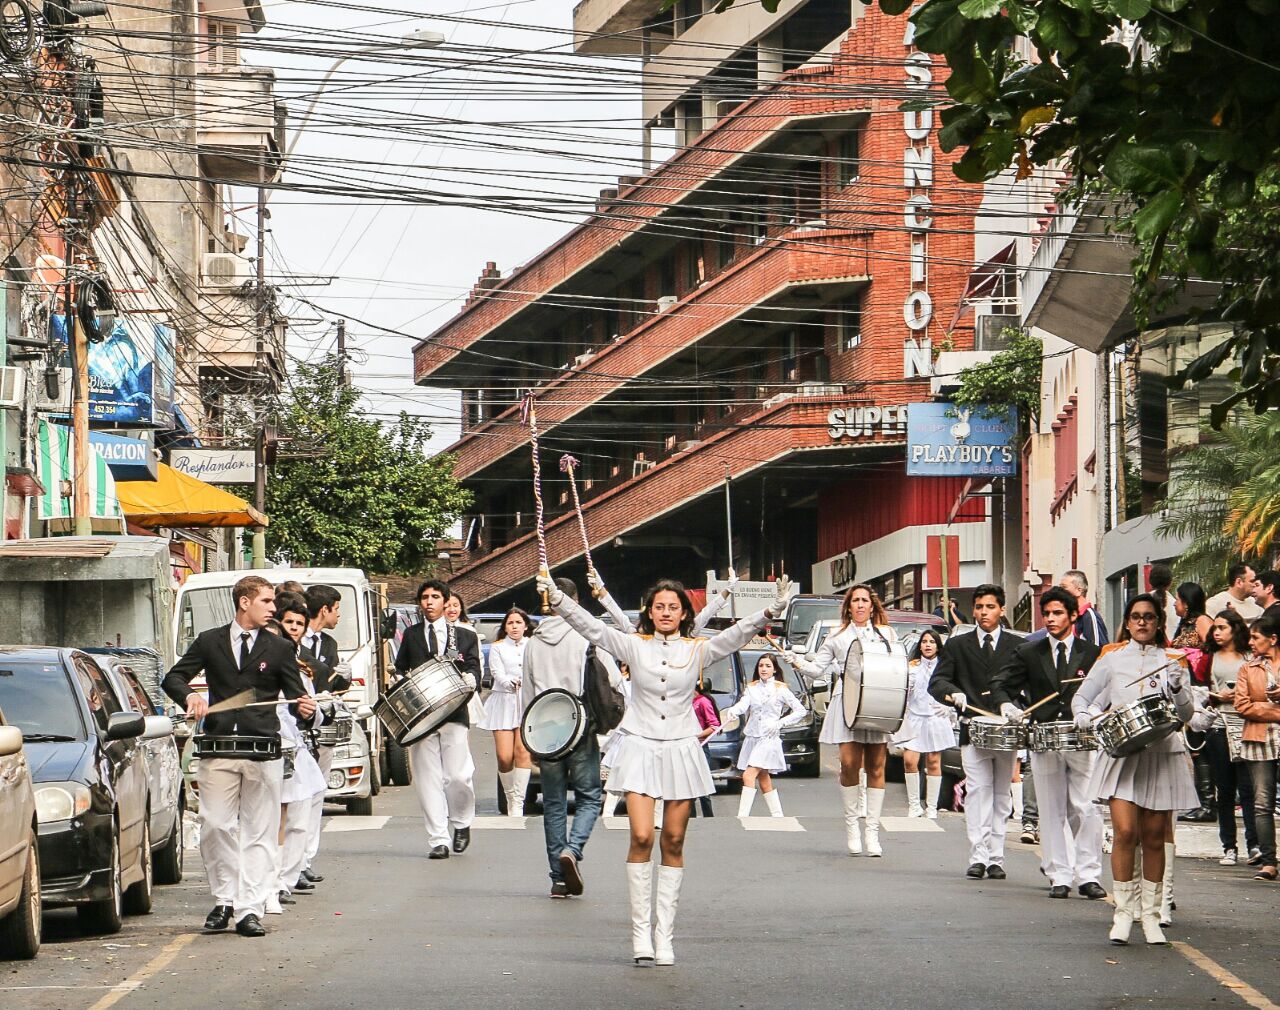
(874, 689)
(1130, 728)
(553, 724)
(1061, 735)
(987, 733)
(251, 748)
(335, 731)
(423, 701)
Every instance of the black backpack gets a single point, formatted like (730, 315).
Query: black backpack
(604, 702)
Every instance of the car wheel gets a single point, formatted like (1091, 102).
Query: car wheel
(106, 916)
(360, 807)
(20, 929)
(398, 770)
(168, 861)
(138, 898)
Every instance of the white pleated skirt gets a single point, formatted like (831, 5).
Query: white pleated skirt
(925, 734)
(834, 730)
(763, 752)
(307, 780)
(501, 711)
(663, 769)
(1155, 778)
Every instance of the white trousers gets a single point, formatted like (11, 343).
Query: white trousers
(1062, 793)
(442, 777)
(988, 801)
(293, 850)
(239, 829)
(325, 761)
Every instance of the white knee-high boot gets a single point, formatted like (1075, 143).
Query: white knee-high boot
(747, 798)
(504, 780)
(773, 802)
(932, 790)
(875, 803)
(519, 786)
(640, 891)
(669, 880)
(1166, 903)
(1152, 892)
(853, 830)
(1017, 801)
(912, 781)
(1125, 895)
(862, 792)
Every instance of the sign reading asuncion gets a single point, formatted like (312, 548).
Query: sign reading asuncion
(917, 216)
(215, 466)
(944, 440)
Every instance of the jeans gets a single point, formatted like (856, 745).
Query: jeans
(1264, 810)
(1232, 781)
(581, 772)
(1030, 811)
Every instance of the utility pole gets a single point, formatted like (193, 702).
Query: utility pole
(342, 352)
(259, 362)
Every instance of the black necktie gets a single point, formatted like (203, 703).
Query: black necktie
(1062, 659)
(244, 649)
(988, 650)
(433, 644)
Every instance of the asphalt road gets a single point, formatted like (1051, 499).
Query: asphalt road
(773, 914)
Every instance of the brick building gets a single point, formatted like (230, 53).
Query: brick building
(758, 308)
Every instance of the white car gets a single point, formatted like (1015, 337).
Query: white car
(20, 922)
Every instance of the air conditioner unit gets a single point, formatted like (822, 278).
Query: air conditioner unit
(12, 385)
(639, 466)
(992, 331)
(687, 445)
(666, 301)
(225, 270)
(583, 358)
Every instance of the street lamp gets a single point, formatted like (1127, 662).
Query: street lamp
(422, 38)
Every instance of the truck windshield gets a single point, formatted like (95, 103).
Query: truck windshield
(39, 699)
(805, 613)
(202, 609)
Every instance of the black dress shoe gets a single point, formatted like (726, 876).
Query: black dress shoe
(995, 872)
(304, 885)
(461, 839)
(284, 899)
(1198, 815)
(219, 918)
(975, 871)
(1093, 890)
(1059, 891)
(315, 878)
(250, 926)
(439, 852)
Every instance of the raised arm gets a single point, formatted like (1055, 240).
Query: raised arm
(715, 603)
(617, 643)
(617, 614)
(733, 638)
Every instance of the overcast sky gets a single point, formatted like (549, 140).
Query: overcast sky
(407, 267)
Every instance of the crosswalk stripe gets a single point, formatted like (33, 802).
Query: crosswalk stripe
(501, 822)
(355, 824)
(771, 823)
(909, 824)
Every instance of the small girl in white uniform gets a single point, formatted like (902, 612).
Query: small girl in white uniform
(927, 729)
(764, 702)
(503, 711)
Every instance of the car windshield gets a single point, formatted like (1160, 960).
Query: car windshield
(203, 609)
(805, 613)
(40, 700)
(487, 626)
(722, 682)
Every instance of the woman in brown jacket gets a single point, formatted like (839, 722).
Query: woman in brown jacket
(1257, 693)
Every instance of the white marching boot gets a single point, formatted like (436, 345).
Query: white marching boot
(640, 891)
(932, 790)
(1166, 902)
(745, 801)
(1151, 894)
(504, 780)
(669, 880)
(1016, 814)
(773, 802)
(853, 831)
(519, 786)
(912, 781)
(862, 792)
(875, 803)
(1125, 895)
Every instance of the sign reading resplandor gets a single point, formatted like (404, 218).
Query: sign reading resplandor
(215, 466)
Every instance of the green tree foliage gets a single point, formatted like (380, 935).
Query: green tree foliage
(1224, 494)
(350, 491)
(1010, 379)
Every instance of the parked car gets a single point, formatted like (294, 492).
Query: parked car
(89, 772)
(20, 922)
(164, 771)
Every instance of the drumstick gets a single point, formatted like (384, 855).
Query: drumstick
(530, 415)
(1158, 669)
(974, 708)
(1047, 698)
(239, 701)
(567, 464)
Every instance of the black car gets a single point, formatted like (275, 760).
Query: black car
(89, 772)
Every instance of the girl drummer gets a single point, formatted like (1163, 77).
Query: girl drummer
(502, 710)
(766, 699)
(927, 730)
(659, 757)
(1145, 788)
(866, 621)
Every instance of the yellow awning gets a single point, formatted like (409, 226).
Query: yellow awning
(175, 499)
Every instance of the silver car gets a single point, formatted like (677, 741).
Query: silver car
(20, 922)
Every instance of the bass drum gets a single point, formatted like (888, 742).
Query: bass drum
(423, 700)
(874, 689)
(553, 724)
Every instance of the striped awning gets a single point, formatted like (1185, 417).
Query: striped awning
(56, 469)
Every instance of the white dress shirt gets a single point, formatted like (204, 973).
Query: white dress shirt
(236, 632)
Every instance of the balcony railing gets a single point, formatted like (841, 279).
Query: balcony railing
(239, 127)
(1036, 276)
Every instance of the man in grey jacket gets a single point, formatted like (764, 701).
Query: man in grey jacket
(556, 656)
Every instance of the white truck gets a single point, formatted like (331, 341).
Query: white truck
(204, 601)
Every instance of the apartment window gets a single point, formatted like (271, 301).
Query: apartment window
(848, 151)
(695, 266)
(849, 323)
(224, 47)
(687, 14)
(790, 357)
(667, 276)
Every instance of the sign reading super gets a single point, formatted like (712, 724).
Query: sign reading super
(944, 440)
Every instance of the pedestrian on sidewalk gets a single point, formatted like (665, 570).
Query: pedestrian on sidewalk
(1257, 694)
(763, 705)
(704, 708)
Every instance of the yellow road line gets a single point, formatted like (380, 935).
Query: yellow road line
(150, 968)
(1223, 977)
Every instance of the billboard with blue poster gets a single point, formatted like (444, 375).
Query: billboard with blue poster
(132, 372)
(944, 440)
